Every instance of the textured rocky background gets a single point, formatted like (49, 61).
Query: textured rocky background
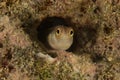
(95, 52)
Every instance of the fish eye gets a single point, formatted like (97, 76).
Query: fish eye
(71, 33)
(57, 32)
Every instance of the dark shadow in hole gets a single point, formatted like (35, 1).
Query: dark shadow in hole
(48, 23)
(107, 30)
(38, 30)
(85, 38)
(97, 58)
(84, 35)
(1, 45)
(30, 28)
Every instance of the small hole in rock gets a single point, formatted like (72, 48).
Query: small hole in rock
(97, 58)
(83, 9)
(110, 48)
(97, 10)
(53, 55)
(107, 30)
(9, 55)
(10, 68)
(1, 45)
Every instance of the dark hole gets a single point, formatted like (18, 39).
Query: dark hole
(110, 48)
(53, 55)
(8, 55)
(107, 30)
(83, 9)
(1, 45)
(97, 10)
(10, 68)
(97, 58)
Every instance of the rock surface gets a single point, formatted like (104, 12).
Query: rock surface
(95, 51)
